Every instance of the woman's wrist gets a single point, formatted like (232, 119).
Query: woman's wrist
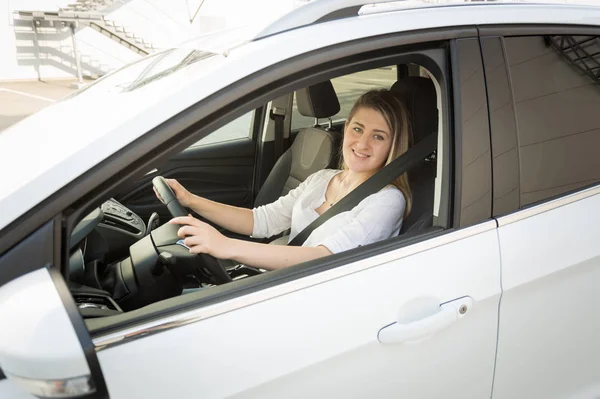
(189, 201)
(225, 249)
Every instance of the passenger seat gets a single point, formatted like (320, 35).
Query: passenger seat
(419, 96)
(313, 149)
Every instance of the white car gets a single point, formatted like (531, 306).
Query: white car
(490, 290)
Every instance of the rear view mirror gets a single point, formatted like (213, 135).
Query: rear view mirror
(39, 348)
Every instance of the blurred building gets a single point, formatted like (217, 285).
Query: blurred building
(42, 39)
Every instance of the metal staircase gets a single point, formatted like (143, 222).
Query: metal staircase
(122, 35)
(582, 52)
(89, 12)
(110, 28)
(88, 5)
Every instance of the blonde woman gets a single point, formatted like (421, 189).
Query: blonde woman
(376, 132)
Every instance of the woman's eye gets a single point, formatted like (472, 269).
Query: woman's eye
(357, 129)
(379, 137)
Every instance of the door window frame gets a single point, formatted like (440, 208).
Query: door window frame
(85, 193)
(272, 279)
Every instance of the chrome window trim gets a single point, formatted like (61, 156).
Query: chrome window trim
(191, 316)
(548, 206)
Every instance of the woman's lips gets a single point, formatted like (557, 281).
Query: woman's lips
(360, 154)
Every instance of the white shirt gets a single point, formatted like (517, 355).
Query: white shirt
(375, 218)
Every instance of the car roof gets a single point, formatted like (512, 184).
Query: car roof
(46, 151)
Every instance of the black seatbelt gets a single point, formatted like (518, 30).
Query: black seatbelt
(278, 115)
(373, 184)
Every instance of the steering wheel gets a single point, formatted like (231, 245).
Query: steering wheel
(176, 209)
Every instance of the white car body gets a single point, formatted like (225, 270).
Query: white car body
(502, 308)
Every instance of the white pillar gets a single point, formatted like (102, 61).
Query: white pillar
(77, 56)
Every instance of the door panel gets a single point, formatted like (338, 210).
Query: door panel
(545, 127)
(222, 172)
(548, 345)
(322, 341)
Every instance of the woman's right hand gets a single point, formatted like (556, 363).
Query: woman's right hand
(183, 196)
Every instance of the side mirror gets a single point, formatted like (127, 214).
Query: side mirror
(39, 348)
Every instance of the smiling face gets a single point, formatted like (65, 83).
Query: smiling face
(367, 141)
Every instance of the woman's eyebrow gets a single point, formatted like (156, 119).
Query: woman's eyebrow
(375, 130)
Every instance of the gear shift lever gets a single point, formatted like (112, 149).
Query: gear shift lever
(153, 222)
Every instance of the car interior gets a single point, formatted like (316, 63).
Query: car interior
(124, 256)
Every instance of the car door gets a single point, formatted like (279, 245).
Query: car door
(545, 124)
(413, 317)
(40, 321)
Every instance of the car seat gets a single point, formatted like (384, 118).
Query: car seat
(313, 149)
(419, 96)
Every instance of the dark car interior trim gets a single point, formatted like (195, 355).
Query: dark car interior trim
(30, 254)
(537, 30)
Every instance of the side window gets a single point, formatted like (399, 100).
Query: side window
(555, 102)
(348, 88)
(240, 128)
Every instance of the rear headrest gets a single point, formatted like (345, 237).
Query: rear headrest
(418, 94)
(318, 101)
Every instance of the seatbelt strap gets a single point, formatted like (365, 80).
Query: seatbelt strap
(278, 115)
(379, 180)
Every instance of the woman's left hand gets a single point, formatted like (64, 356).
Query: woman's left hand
(201, 237)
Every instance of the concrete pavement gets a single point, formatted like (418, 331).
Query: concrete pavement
(21, 99)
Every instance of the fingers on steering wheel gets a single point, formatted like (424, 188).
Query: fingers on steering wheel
(193, 241)
(186, 220)
(189, 231)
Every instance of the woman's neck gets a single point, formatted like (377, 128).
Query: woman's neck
(350, 180)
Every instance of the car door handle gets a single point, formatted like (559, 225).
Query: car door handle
(420, 329)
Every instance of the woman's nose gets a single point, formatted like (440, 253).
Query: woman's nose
(363, 141)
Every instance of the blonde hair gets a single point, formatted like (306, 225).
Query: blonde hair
(396, 116)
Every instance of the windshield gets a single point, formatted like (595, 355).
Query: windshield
(202, 52)
(147, 70)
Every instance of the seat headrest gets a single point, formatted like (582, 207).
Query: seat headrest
(418, 94)
(318, 101)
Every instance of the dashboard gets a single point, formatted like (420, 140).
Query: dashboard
(100, 238)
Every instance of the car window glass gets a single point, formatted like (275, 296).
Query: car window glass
(240, 128)
(556, 102)
(151, 69)
(348, 88)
